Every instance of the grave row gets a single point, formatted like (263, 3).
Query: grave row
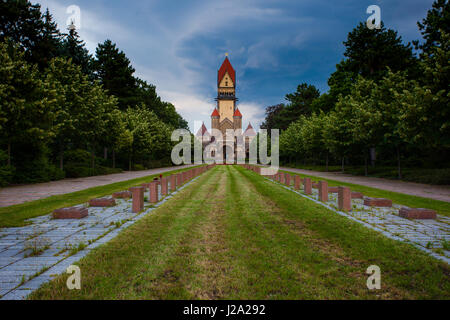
(345, 195)
(159, 186)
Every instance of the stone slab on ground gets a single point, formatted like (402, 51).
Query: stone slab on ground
(417, 213)
(377, 202)
(71, 213)
(102, 202)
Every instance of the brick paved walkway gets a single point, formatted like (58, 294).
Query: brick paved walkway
(24, 193)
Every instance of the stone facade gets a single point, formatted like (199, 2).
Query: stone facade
(226, 116)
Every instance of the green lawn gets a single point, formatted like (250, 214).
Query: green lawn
(232, 234)
(15, 216)
(441, 207)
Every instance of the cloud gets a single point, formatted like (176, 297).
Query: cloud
(274, 45)
(191, 106)
(95, 26)
(252, 112)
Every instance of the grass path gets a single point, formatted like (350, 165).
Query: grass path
(234, 235)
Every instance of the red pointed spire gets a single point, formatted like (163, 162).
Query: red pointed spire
(226, 67)
(250, 131)
(237, 113)
(202, 131)
(215, 113)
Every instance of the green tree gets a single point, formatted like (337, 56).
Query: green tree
(151, 136)
(371, 51)
(434, 25)
(426, 104)
(147, 96)
(301, 101)
(74, 48)
(291, 141)
(114, 71)
(37, 34)
(273, 115)
(118, 137)
(74, 100)
(25, 107)
(100, 107)
(337, 133)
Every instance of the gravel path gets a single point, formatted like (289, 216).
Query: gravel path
(417, 189)
(24, 193)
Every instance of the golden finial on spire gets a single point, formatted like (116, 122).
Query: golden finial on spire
(226, 54)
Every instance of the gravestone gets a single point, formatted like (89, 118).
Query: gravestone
(323, 191)
(344, 199)
(138, 199)
(307, 186)
(153, 196)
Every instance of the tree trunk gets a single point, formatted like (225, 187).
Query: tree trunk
(105, 153)
(93, 161)
(399, 164)
(366, 165)
(373, 156)
(9, 154)
(114, 159)
(343, 164)
(61, 159)
(326, 162)
(129, 163)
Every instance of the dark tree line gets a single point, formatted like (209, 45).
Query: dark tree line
(384, 99)
(65, 112)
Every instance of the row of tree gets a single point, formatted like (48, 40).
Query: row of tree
(382, 97)
(61, 106)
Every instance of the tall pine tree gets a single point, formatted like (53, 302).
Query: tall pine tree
(434, 25)
(73, 47)
(115, 73)
(37, 34)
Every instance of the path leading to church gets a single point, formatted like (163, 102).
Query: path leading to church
(19, 194)
(435, 192)
(233, 234)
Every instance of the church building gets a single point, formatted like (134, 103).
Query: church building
(226, 114)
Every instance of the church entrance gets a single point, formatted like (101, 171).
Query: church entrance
(228, 155)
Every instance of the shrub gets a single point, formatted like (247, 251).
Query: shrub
(100, 170)
(37, 170)
(138, 167)
(77, 171)
(6, 175)
(6, 172)
(165, 162)
(77, 156)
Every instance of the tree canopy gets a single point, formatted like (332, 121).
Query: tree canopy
(61, 108)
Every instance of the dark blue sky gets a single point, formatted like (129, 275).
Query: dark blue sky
(273, 45)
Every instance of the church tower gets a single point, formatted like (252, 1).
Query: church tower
(226, 115)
